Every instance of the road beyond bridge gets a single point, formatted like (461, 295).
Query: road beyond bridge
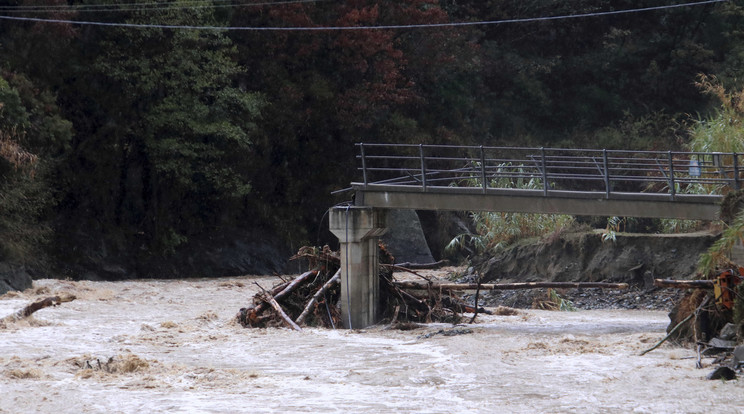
(655, 184)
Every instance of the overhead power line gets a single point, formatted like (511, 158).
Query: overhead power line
(379, 27)
(123, 7)
(103, 5)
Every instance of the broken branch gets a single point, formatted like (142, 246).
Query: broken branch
(405, 269)
(694, 313)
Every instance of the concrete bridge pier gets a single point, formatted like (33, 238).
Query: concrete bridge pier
(358, 230)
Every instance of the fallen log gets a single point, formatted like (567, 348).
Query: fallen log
(280, 311)
(684, 284)
(294, 283)
(421, 266)
(510, 286)
(278, 308)
(313, 300)
(39, 304)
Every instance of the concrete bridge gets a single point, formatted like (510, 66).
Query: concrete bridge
(655, 184)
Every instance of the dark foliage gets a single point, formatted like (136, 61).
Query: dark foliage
(149, 139)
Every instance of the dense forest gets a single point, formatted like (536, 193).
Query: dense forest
(125, 141)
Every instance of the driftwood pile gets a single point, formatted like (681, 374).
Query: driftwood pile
(312, 299)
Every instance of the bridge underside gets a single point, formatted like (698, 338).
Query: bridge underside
(679, 206)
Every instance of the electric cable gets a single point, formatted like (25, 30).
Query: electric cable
(379, 27)
(127, 7)
(104, 5)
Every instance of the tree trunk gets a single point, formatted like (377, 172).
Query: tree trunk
(684, 284)
(327, 285)
(39, 304)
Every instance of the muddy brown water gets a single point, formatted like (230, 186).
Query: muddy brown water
(172, 347)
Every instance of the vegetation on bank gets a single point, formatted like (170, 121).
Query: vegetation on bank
(140, 140)
(721, 132)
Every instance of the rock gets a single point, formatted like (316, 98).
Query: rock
(739, 354)
(724, 373)
(728, 332)
(722, 343)
(405, 239)
(13, 278)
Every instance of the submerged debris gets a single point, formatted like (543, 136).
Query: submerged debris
(711, 315)
(446, 332)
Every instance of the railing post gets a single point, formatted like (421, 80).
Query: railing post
(364, 165)
(606, 173)
(544, 171)
(423, 166)
(483, 169)
(671, 175)
(737, 185)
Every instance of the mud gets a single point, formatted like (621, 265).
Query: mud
(173, 346)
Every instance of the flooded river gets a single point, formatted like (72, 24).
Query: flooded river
(173, 347)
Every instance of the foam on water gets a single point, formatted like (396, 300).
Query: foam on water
(173, 347)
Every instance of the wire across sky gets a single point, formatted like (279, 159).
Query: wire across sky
(374, 27)
(122, 7)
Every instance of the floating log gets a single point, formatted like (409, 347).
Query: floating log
(510, 286)
(39, 304)
(684, 284)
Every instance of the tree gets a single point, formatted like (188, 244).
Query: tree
(327, 90)
(168, 140)
(33, 136)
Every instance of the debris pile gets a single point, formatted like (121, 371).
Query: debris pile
(312, 298)
(710, 316)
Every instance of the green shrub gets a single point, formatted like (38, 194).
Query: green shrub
(497, 230)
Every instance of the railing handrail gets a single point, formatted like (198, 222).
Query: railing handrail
(430, 165)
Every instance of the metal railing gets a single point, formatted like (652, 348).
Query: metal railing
(549, 169)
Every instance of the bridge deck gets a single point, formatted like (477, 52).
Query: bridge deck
(684, 206)
(682, 185)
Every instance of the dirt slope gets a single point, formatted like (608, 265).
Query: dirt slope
(632, 258)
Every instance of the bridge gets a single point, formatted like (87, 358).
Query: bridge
(598, 182)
